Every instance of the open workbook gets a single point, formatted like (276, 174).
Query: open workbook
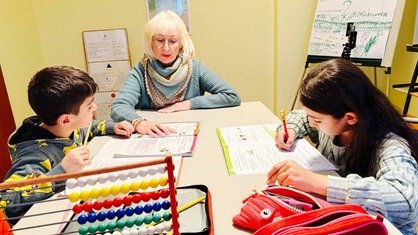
(251, 150)
(181, 143)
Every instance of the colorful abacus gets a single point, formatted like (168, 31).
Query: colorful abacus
(119, 200)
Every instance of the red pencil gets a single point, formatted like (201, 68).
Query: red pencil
(284, 124)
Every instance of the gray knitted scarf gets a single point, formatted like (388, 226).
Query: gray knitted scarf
(181, 73)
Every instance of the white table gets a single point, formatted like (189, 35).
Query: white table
(207, 166)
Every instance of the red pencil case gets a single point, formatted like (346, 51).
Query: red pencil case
(284, 210)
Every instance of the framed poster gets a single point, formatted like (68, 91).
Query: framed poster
(181, 7)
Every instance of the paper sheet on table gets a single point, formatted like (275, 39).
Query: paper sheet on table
(251, 150)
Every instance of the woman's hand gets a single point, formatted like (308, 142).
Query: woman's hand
(290, 173)
(284, 143)
(124, 128)
(179, 106)
(154, 129)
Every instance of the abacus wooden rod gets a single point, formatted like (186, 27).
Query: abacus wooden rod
(65, 176)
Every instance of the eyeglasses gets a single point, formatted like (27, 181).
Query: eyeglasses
(159, 42)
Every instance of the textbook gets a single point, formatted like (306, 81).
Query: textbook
(181, 143)
(252, 150)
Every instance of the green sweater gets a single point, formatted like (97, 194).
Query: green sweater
(133, 94)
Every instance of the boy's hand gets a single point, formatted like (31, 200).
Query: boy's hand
(124, 128)
(76, 159)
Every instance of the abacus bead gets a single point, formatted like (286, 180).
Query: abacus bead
(126, 232)
(148, 208)
(83, 230)
(111, 225)
(136, 198)
(101, 216)
(142, 231)
(154, 183)
(123, 175)
(156, 218)
(129, 211)
(92, 180)
(159, 228)
(116, 233)
(143, 172)
(157, 206)
(94, 193)
(112, 177)
(111, 214)
(133, 173)
(102, 227)
(97, 205)
(107, 203)
(168, 226)
(133, 231)
(82, 219)
(114, 190)
(167, 216)
(104, 192)
(165, 193)
(130, 222)
(139, 221)
(139, 210)
(73, 197)
(81, 182)
(152, 171)
(134, 186)
(124, 188)
(120, 224)
(151, 230)
(120, 213)
(127, 200)
(92, 217)
(146, 196)
(84, 195)
(92, 228)
(102, 178)
(161, 169)
(165, 204)
(144, 184)
(117, 201)
(87, 206)
(155, 195)
(71, 183)
(147, 219)
(77, 208)
(163, 181)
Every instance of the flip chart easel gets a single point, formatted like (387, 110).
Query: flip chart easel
(377, 24)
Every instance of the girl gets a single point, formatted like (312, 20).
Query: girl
(360, 131)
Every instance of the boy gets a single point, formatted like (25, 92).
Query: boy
(52, 142)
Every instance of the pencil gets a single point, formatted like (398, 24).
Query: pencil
(87, 134)
(284, 125)
(183, 208)
(191, 204)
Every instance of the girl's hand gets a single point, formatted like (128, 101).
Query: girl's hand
(289, 173)
(179, 106)
(124, 128)
(280, 139)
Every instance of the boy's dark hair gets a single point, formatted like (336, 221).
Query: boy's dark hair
(58, 90)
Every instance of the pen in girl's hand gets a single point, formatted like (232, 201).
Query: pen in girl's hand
(284, 125)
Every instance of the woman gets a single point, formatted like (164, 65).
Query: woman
(360, 131)
(168, 79)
